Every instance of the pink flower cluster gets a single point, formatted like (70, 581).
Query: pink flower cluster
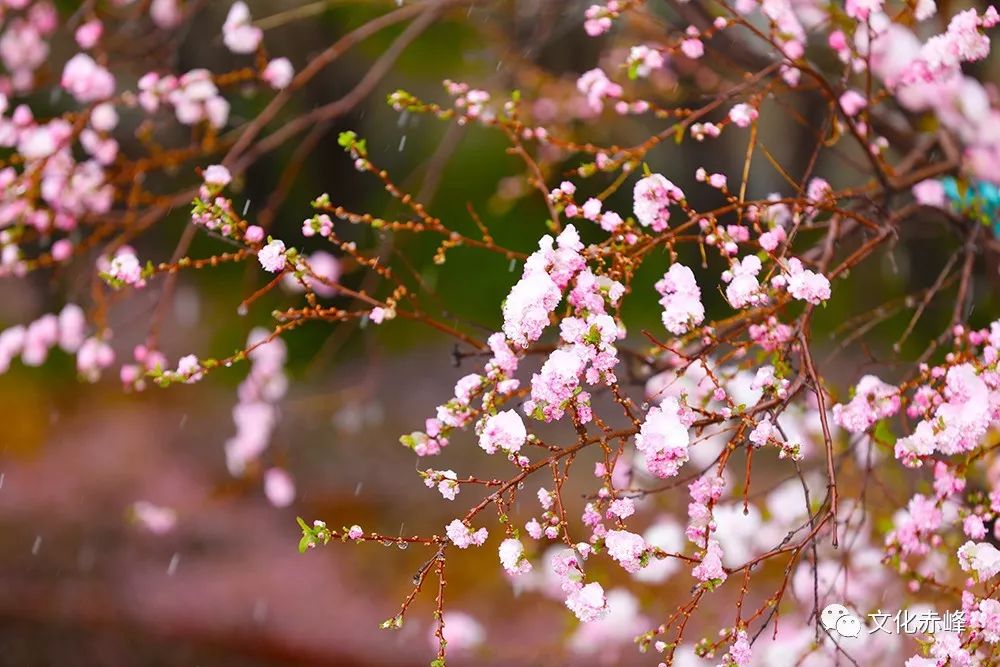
(627, 549)
(87, 81)
(546, 273)
(663, 438)
(941, 56)
(32, 343)
(238, 33)
(23, 45)
(805, 285)
(873, 400)
(597, 87)
(256, 414)
(599, 17)
(463, 537)
(512, 557)
(959, 413)
(652, 198)
(446, 482)
(504, 430)
(194, 97)
(681, 300)
(743, 289)
(587, 601)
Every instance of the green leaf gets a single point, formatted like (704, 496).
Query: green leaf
(347, 139)
(883, 433)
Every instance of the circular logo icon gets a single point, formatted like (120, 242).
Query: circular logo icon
(831, 614)
(849, 626)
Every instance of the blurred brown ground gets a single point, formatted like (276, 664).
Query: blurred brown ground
(81, 585)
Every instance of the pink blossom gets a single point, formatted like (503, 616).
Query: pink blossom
(942, 55)
(958, 422)
(598, 20)
(710, 568)
(743, 289)
(239, 35)
(321, 277)
(588, 602)
(681, 300)
(272, 256)
(125, 268)
(446, 482)
(852, 102)
(86, 80)
(610, 221)
(805, 285)
(592, 208)
(556, 383)
(862, 9)
(986, 618)
(279, 73)
(217, 175)
(504, 430)
(464, 537)
(194, 96)
(253, 234)
(980, 558)
(652, 197)
(62, 250)
(72, 328)
(914, 527)
(617, 629)
(279, 487)
(462, 632)
(929, 192)
(663, 439)
(255, 415)
(165, 13)
(626, 548)
(88, 34)
(189, 369)
(771, 239)
(39, 337)
(643, 60)
(104, 118)
(764, 432)
(973, 527)
(512, 557)
(873, 400)
(742, 115)
(23, 50)
(740, 651)
(597, 87)
(622, 508)
(527, 307)
(693, 48)
(93, 356)
(595, 27)
(918, 661)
